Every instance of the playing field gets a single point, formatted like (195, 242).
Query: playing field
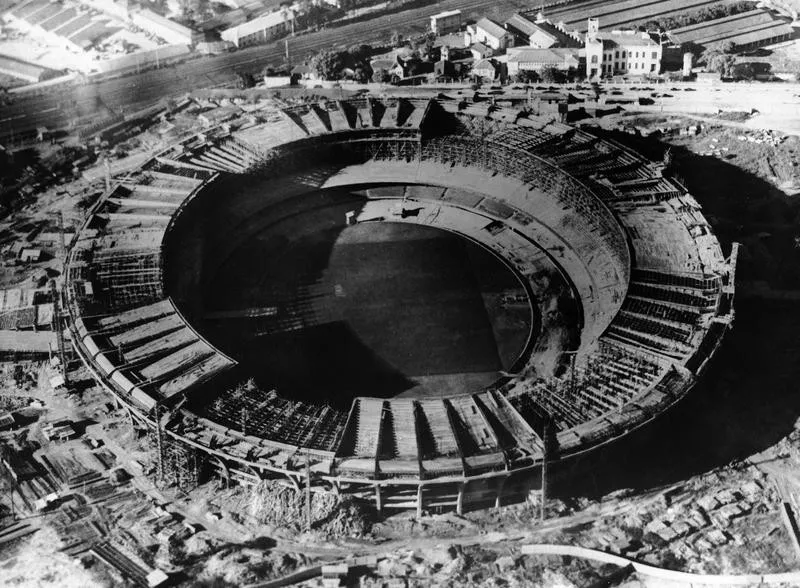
(317, 308)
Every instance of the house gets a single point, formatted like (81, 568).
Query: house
(162, 27)
(303, 71)
(534, 59)
(6, 421)
(491, 34)
(539, 33)
(213, 47)
(484, 69)
(444, 69)
(334, 575)
(392, 66)
(620, 52)
(218, 115)
(29, 255)
(453, 40)
(480, 51)
(57, 381)
(446, 22)
(261, 29)
(60, 431)
(156, 578)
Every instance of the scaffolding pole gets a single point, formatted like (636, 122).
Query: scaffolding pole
(159, 445)
(62, 355)
(546, 442)
(308, 492)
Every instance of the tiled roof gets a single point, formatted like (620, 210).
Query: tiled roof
(491, 28)
(535, 55)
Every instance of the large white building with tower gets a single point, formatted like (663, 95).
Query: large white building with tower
(620, 52)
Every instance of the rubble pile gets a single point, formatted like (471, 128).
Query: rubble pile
(764, 136)
(271, 503)
(348, 519)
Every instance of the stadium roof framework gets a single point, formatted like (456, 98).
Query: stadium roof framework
(652, 285)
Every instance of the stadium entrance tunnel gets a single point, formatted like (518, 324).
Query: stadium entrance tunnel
(319, 298)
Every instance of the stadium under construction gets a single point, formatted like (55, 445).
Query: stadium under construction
(595, 294)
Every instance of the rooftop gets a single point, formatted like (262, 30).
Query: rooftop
(552, 55)
(492, 28)
(446, 14)
(626, 39)
(484, 64)
(743, 28)
(522, 24)
(265, 21)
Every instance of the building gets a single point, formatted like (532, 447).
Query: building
(213, 47)
(490, 34)
(164, 28)
(480, 51)
(261, 29)
(303, 71)
(60, 431)
(486, 440)
(7, 421)
(24, 71)
(747, 30)
(444, 69)
(539, 33)
(620, 53)
(446, 22)
(535, 59)
(484, 69)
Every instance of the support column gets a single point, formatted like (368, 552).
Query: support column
(419, 501)
(460, 502)
(498, 501)
(378, 505)
(224, 469)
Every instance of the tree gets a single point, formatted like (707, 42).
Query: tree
(381, 76)
(396, 40)
(361, 75)
(360, 51)
(245, 81)
(720, 62)
(328, 64)
(414, 66)
(316, 15)
(727, 47)
(527, 76)
(552, 75)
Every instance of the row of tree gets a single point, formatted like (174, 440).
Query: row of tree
(548, 75)
(705, 14)
(330, 64)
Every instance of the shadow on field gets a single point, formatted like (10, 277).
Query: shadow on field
(747, 400)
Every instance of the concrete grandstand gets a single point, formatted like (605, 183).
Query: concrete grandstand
(627, 250)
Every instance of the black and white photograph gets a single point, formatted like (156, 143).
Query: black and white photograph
(399, 293)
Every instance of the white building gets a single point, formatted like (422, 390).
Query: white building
(446, 22)
(540, 33)
(261, 29)
(620, 53)
(490, 33)
(537, 59)
(485, 70)
(164, 28)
